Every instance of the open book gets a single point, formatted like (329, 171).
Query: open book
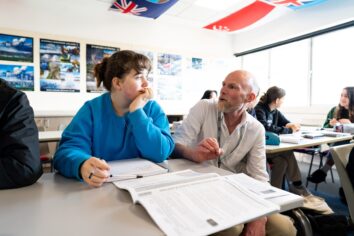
(192, 203)
(134, 168)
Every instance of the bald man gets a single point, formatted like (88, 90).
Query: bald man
(225, 135)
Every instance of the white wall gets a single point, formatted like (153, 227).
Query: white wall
(329, 13)
(84, 22)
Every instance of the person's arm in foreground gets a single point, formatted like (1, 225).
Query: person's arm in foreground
(19, 146)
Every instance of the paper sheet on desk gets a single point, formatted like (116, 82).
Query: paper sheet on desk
(127, 168)
(290, 138)
(263, 190)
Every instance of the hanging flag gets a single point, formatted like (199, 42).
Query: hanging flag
(242, 18)
(256, 11)
(296, 4)
(146, 8)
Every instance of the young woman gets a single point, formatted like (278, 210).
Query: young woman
(343, 113)
(273, 120)
(122, 123)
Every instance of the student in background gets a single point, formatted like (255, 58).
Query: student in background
(210, 94)
(122, 123)
(284, 163)
(341, 114)
(19, 147)
(223, 134)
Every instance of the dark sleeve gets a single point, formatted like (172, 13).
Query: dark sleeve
(328, 118)
(270, 126)
(350, 167)
(19, 147)
(282, 122)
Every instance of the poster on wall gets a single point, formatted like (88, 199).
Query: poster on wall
(195, 63)
(60, 66)
(94, 55)
(170, 88)
(16, 48)
(151, 57)
(18, 76)
(169, 64)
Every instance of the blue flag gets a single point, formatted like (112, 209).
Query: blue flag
(146, 8)
(296, 4)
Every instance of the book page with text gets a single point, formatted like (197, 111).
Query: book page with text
(191, 203)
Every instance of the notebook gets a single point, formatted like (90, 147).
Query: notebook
(134, 168)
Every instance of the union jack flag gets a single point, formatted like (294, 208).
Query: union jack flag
(296, 4)
(151, 9)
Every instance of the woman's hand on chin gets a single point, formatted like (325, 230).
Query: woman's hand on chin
(140, 101)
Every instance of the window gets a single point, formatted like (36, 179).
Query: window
(333, 66)
(258, 65)
(289, 69)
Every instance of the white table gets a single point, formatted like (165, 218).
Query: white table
(49, 136)
(56, 205)
(305, 142)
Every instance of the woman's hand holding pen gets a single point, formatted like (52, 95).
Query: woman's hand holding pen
(139, 102)
(95, 171)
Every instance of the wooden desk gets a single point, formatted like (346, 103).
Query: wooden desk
(49, 136)
(305, 142)
(59, 206)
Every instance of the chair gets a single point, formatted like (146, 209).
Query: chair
(44, 153)
(312, 151)
(340, 156)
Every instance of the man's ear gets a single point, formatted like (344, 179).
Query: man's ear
(251, 97)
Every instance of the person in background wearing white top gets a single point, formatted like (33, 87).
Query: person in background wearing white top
(225, 135)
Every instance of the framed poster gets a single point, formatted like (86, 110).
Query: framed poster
(60, 66)
(169, 64)
(16, 48)
(151, 57)
(94, 55)
(18, 76)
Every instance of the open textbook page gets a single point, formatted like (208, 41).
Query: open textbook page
(191, 203)
(284, 199)
(133, 168)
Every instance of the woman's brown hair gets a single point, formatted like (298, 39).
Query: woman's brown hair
(119, 65)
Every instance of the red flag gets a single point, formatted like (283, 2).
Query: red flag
(242, 18)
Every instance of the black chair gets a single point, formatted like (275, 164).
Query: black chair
(45, 155)
(313, 151)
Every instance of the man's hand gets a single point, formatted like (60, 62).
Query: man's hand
(207, 149)
(94, 171)
(255, 228)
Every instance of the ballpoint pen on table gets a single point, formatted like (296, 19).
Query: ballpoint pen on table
(125, 176)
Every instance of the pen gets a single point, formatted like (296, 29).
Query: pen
(126, 176)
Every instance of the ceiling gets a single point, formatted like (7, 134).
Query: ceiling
(192, 13)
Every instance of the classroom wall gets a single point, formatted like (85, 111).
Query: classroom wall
(329, 13)
(94, 24)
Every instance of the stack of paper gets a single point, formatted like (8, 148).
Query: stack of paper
(191, 203)
(290, 138)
